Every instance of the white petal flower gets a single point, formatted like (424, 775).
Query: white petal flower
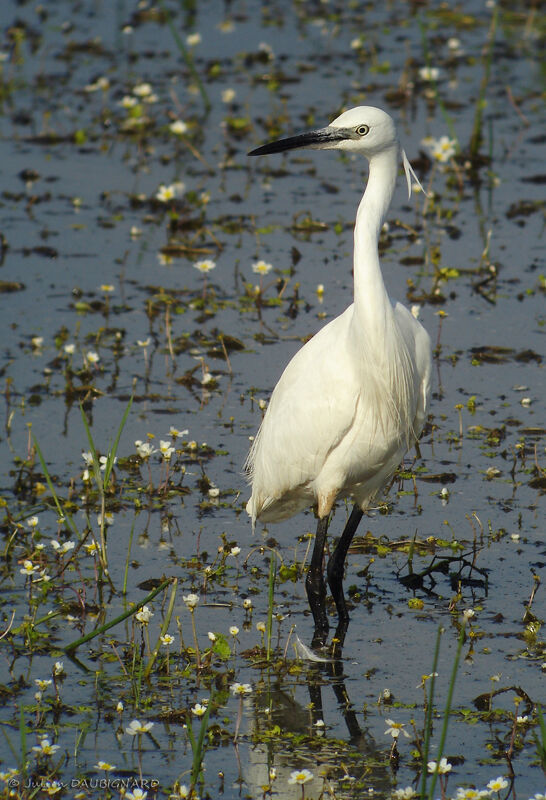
(300, 776)
(261, 267)
(178, 127)
(136, 727)
(205, 265)
(497, 784)
(442, 768)
(144, 615)
(429, 73)
(191, 600)
(240, 689)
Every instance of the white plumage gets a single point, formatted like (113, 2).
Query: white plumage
(353, 400)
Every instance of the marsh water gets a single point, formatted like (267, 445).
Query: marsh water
(101, 301)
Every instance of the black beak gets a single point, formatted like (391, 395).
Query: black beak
(315, 140)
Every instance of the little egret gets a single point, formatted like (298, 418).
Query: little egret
(353, 400)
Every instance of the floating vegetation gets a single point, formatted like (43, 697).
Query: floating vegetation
(152, 646)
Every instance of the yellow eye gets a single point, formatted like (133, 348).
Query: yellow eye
(362, 130)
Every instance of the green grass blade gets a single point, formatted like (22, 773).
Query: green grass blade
(271, 597)
(186, 56)
(96, 463)
(63, 514)
(428, 721)
(447, 709)
(199, 752)
(164, 628)
(23, 740)
(118, 619)
(126, 572)
(113, 450)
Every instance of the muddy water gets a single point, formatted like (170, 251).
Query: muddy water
(81, 167)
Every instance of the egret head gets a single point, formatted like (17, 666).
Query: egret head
(364, 129)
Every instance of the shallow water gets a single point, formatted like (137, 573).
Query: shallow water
(76, 179)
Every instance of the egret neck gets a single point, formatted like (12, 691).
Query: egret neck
(371, 301)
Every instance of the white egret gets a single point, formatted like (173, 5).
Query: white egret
(353, 400)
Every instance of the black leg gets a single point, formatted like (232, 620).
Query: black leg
(315, 586)
(336, 566)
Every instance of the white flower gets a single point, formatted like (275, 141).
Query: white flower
(497, 784)
(441, 768)
(167, 639)
(62, 548)
(52, 787)
(58, 668)
(136, 794)
(104, 765)
(235, 552)
(212, 636)
(45, 748)
(261, 267)
(300, 776)
(193, 39)
(205, 265)
(136, 726)
(523, 720)
(128, 102)
(119, 707)
(100, 83)
(92, 357)
(455, 46)
(142, 90)
(69, 349)
(166, 449)
(28, 568)
(442, 149)
(103, 461)
(178, 127)
(176, 434)
(240, 689)
(234, 630)
(144, 615)
(395, 729)
(198, 710)
(191, 600)
(42, 684)
(247, 603)
(144, 449)
(404, 794)
(471, 794)
(165, 193)
(228, 95)
(429, 73)
(468, 613)
(32, 522)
